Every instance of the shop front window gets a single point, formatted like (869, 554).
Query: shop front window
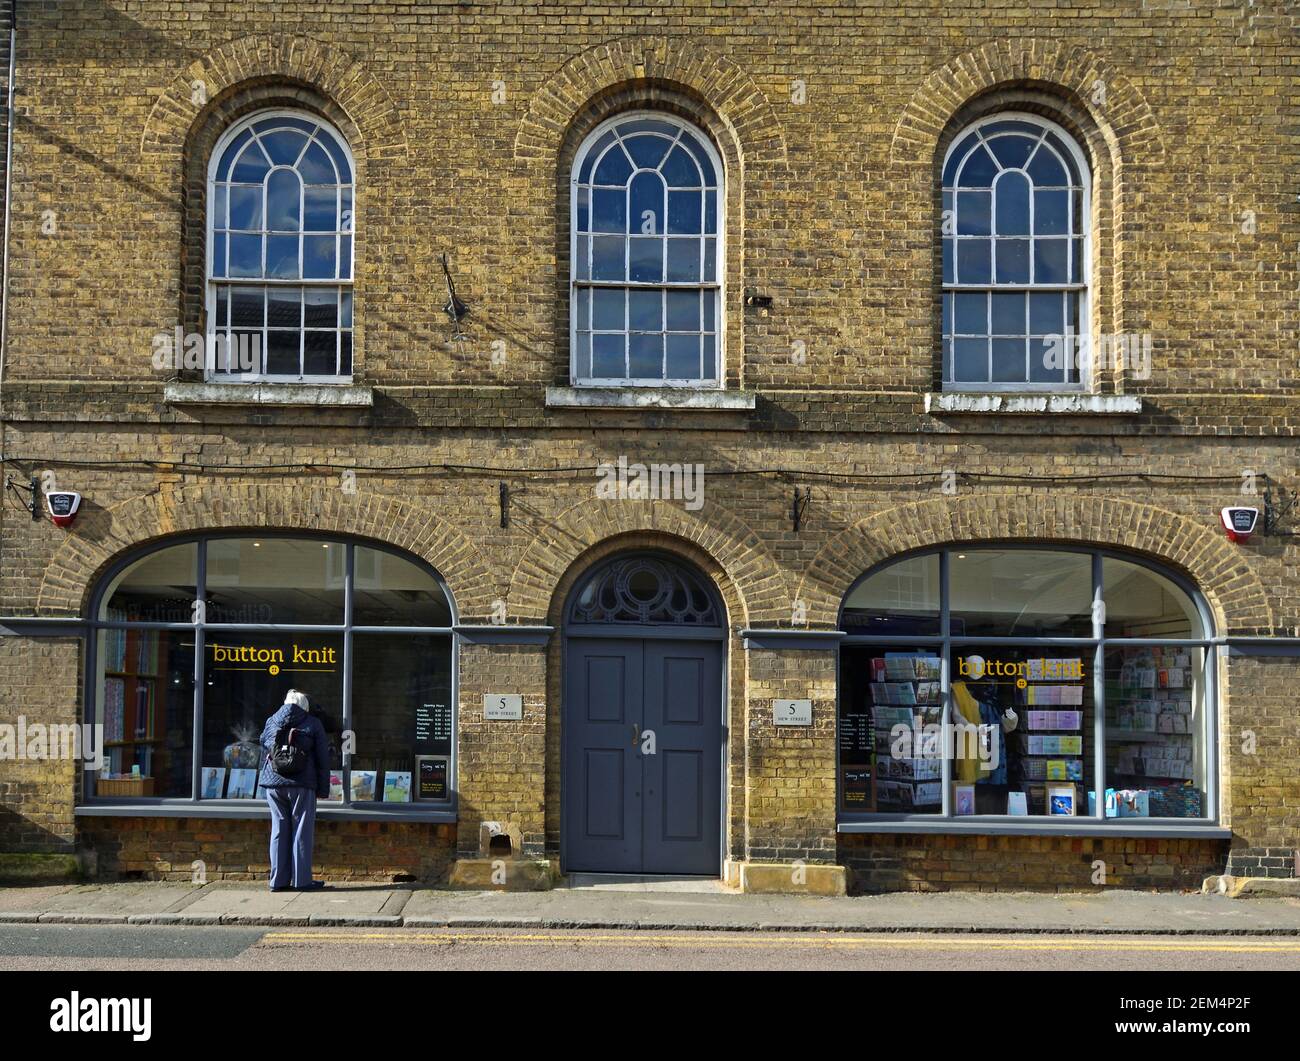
(199, 642)
(1049, 676)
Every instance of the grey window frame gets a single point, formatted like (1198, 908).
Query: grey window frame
(1096, 824)
(194, 806)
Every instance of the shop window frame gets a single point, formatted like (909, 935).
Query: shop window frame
(193, 805)
(1093, 648)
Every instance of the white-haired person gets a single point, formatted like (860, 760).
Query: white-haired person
(295, 773)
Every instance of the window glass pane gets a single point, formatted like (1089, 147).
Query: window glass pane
(684, 212)
(1013, 261)
(684, 311)
(1142, 603)
(970, 361)
(245, 255)
(1046, 313)
(608, 307)
(402, 717)
(282, 257)
(158, 588)
(321, 210)
(902, 598)
(709, 369)
(321, 308)
(607, 258)
(1020, 593)
(1050, 261)
(645, 311)
(1008, 313)
(392, 591)
(648, 197)
(1013, 151)
(275, 580)
(145, 701)
(974, 264)
(245, 208)
(1155, 732)
(1013, 205)
(608, 356)
(646, 259)
(318, 258)
(684, 260)
(283, 353)
(1023, 720)
(974, 213)
(890, 754)
(613, 168)
(609, 210)
(283, 203)
(646, 356)
(1051, 213)
(979, 170)
(1045, 170)
(320, 353)
(284, 146)
(246, 676)
(1009, 361)
(972, 313)
(683, 353)
(284, 307)
(316, 167)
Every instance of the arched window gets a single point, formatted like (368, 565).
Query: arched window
(1020, 682)
(197, 643)
(280, 208)
(1015, 257)
(646, 255)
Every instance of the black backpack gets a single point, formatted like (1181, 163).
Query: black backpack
(287, 759)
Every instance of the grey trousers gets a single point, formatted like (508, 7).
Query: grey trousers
(293, 829)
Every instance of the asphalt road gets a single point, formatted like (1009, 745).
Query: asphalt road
(111, 947)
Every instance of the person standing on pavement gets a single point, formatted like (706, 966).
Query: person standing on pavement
(292, 799)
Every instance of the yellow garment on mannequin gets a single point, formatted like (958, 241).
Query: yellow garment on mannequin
(965, 768)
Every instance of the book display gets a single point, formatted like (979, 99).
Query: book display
(1152, 697)
(134, 724)
(1049, 739)
(896, 689)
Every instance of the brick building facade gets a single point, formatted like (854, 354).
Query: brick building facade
(836, 428)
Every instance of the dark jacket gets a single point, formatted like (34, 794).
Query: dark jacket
(310, 737)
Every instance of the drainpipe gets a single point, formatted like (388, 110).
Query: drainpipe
(9, 174)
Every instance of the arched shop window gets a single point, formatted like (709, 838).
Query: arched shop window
(1015, 683)
(197, 642)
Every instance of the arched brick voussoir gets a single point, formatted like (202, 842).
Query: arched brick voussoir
(270, 57)
(763, 591)
(102, 535)
(1234, 591)
(1118, 108)
(717, 80)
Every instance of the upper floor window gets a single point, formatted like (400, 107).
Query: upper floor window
(646, 251)
(1015, 257)
(279, 299)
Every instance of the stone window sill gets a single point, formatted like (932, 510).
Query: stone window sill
(649, 398)
(1010, 403)
(237, 809)
(1129, 828)
(345, 395)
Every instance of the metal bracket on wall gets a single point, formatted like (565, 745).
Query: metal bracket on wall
(799, 506)
(1277, 509)
(503, 503)
(32, 504)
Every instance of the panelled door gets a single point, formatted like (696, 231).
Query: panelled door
(642, 785)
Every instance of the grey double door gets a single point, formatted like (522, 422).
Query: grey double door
(642, 786)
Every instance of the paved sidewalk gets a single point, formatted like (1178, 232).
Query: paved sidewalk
(1138, 913)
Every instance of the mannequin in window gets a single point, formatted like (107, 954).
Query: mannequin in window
(976, 702)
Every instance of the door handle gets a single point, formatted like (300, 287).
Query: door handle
(636, 734)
